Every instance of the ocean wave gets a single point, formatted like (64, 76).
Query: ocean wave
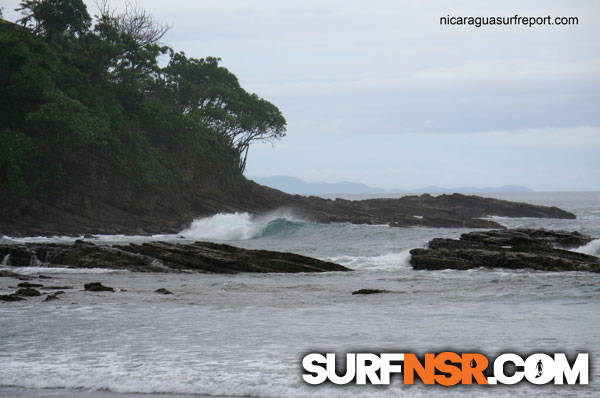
(39, 239)
(385, 262)
(60, 270)
(242, 226)
(592, 248)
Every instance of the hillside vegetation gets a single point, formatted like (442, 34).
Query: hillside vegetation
(91, 122)
(98, 136)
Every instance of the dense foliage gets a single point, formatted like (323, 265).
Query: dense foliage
(82, 101)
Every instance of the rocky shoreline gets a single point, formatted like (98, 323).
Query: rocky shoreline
(443, 211)
(536, 249)
(203, 257)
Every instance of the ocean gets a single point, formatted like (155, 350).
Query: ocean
(245, 335)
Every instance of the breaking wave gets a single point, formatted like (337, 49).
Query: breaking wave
(385, 262)
(592, 248)
(242, 226)
(62, 270)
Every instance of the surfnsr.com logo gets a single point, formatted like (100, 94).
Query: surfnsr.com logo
(446, 368)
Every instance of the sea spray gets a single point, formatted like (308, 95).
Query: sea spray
(592, 248)
(240, 226)
(384, 262)
(5, 261)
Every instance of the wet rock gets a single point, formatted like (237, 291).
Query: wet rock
(10, 297)
(57, 287)
(27, 284)
(65, 218)
(9, 274)
(97, 287)
(169, 257)
(512, 248)
(370, 291)
(444, 211)
(162, 290)
(27, 292)
(51, 297)
(219, 258)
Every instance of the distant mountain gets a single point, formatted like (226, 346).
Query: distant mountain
(296, 185)
(503, 188)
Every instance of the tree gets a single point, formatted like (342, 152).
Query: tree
(134, 22)
(203, 88)
(55, 17)
(131, 55)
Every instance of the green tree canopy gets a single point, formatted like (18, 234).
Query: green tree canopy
(55, 17)
(202, 87)
(81, 106)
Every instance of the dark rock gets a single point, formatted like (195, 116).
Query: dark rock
(453, 211)
(56, 287)
(511, 248)
(169, 257)
(9, 274)
(370, 291)
(162, 290)
(51, 297)
(151, 216)
(97, 287)
(220, 258)
(44, 277)
(27, 292)
(10, 297)
(27, 284)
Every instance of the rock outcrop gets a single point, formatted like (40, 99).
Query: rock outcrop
(164, 257)
(10, 297)
(370, 291)
(9, 274)
(27, 292)
(510, 248)
(28, 284)
(451, 211)
(97, 287)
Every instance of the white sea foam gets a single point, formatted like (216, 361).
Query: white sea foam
(389, 261)
(62, 270)
(40, 239)
(5, 261)
(592, 248)
(234, 226)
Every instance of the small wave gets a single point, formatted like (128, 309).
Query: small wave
(389, 261)
(592, 248)
(5, 240)
(61, 270)
(39, 239)
(241, 226)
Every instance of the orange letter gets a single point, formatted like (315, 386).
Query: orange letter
(473, 365)
(443, 363)
(412, 365)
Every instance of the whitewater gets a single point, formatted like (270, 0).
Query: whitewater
(245, 334)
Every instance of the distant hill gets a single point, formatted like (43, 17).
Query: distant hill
(503, 188)
(295, 185)
(298, 186)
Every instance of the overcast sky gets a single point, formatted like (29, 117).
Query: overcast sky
(379, 92)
